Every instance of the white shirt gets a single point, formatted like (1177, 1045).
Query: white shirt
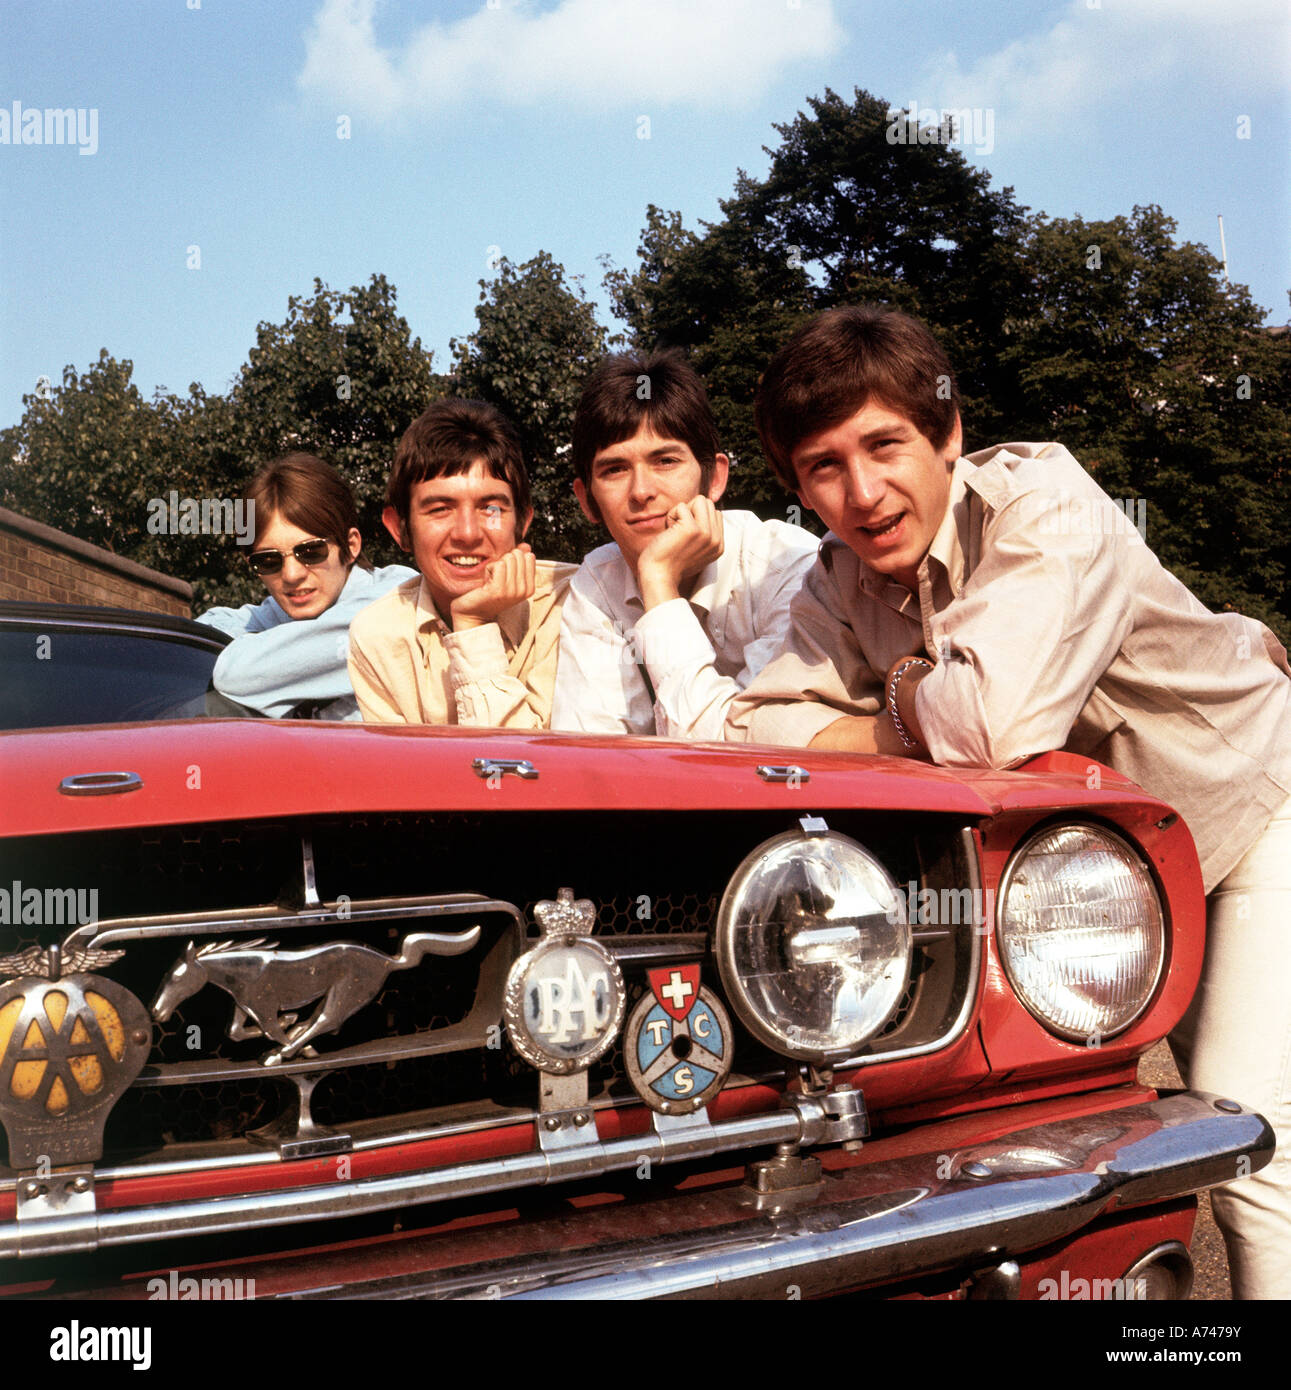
(699, 652)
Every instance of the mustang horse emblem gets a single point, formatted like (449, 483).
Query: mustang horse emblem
(268, 985)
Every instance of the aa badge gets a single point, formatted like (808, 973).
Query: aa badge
(69, 1046)
(678, 1044)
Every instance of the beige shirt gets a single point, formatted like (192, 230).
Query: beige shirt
(1051, 625)
(409, 667)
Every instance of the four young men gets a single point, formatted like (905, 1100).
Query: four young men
(973, 611)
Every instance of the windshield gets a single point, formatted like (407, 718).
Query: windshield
(67, 675)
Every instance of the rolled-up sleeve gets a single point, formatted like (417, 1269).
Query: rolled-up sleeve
(484, 690)
(818, 675)
(1037, 625)
(693, 698)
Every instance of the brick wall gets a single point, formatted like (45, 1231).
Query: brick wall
(42, 565)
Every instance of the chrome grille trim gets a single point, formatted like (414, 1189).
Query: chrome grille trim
(255, 919)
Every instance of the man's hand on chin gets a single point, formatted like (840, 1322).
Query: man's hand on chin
(509, 579)
(692, 538)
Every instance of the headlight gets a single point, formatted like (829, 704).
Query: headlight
(813, 945)
(1081, 932)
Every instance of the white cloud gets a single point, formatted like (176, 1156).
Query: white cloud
(586, 53)
(1102, 52)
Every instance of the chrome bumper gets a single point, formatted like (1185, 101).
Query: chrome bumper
(871, 1224)
(59, 1215)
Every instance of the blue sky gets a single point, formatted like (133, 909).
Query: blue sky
(484, 126)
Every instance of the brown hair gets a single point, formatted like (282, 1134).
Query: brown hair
(628, 390)
(310, 494)
(844, 357)
(445, 440)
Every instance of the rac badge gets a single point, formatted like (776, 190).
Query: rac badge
(678, 1045)
(564, 999)
(69, 1045)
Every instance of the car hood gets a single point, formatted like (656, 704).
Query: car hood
(216, 769)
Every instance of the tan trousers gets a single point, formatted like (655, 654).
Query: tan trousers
(1235, 1040)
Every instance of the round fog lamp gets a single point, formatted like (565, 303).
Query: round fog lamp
(813, 945)
(1081, 932)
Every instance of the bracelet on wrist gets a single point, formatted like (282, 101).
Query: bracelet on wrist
(897, 723)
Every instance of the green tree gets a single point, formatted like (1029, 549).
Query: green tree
(89, 454)
(730, 298)
(341, 377)
(1133, 351)
(536, 339)
(854, 207)
(880, 208)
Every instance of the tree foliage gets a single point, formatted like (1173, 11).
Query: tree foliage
(89, 454)
(1132, 350)
(844, 214)
(535, 340)
(1109, 336)
(341, 377)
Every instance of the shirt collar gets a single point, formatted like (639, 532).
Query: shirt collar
(948, 545)
(428, 619)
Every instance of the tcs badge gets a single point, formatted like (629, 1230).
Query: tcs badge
(678, 1044)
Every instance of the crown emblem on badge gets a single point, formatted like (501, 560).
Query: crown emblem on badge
(565, 999)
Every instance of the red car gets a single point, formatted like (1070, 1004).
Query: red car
(320, 1010)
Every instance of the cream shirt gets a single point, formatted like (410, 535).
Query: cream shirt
(408, 666)
(1051, 625)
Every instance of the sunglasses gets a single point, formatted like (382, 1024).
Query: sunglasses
(271, 561)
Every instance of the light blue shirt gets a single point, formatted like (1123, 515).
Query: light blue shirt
(276, 661)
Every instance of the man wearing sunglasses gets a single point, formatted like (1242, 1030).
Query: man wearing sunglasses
(289, 651)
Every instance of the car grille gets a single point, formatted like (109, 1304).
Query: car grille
(651, 876)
